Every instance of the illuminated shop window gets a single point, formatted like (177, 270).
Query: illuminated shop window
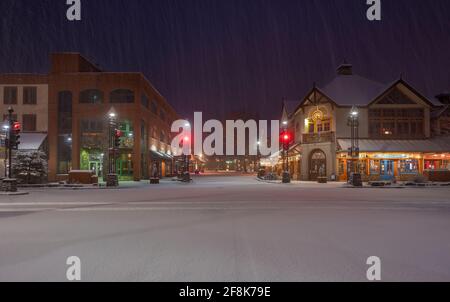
(374, 166)
(409, 166)
(127, 140)
(362, 164)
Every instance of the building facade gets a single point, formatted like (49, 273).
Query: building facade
(79, 98)
(395, 130)
(27, 94)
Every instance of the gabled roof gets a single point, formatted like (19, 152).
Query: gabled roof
(349, 90)
(408, 86)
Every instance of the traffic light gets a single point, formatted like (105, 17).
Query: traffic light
(14, 135)
(117, 135)
(286, 139)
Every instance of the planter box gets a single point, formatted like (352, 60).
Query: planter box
(322, 180)
(154, 181)
(81, 177)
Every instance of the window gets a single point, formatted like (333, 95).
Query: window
(145, 101)
(409, 166)
(396, 123)
(91, 126)
(64, 152)
(362, 166)
(122, 96)
(154, 107)
(374, 166)
(319, 127)
(375, 128)
(162, 114)
(65, 112)
(29, 122)
(91, 96)
(311, 127)
(388, 128)
(396, 97)
(403, 128)
(29, 95)
(10, 96)
(162, 136)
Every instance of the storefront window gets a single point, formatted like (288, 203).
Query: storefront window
(127, 140)
(341, 167)
(374, 166)
(432, 164)
(409, 166)
(362, 164)
(446, 164)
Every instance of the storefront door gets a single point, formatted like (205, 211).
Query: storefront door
(96, 167)
(387, 170)
(317, 165)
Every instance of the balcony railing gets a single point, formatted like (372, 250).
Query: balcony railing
(322, 137)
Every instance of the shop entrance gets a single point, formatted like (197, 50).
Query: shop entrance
(317, 165)
(387, 170)
(96, 167)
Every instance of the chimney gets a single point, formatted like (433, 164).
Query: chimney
(345, 69)
(444, 98)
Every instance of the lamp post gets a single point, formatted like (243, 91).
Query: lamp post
(6, 130)
(353, 122)
(285, 138)
(112, 180)
(12, 130)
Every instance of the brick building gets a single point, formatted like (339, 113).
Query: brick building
(74, 101)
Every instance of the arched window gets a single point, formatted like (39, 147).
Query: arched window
(122, 96)
(318, 121)
(91, 96)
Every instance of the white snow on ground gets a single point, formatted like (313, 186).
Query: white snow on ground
(226, 229)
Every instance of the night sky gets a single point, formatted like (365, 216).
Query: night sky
(219, 56)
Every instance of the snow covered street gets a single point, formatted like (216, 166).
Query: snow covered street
(226, 228)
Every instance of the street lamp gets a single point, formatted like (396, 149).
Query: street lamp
(6, 130)
(112, 179)
(353, 122)
(186, 174)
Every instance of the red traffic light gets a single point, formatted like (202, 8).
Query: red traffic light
(118, 133)
(16, 126)
(285, 137)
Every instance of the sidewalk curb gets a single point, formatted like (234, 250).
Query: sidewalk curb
(14, 193)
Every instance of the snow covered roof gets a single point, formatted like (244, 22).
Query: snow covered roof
(31, 141)
(160, 155)
(347, 90)
(441, 144)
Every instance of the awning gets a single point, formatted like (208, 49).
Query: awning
(156, 155)
(271, 160)
(31, 141)
(441, 144)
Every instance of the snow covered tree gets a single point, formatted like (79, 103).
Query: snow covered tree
(30, 167)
